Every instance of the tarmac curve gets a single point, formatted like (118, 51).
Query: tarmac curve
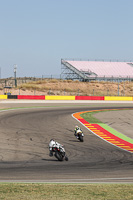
(24, 154)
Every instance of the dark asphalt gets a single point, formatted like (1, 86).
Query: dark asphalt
(25, 134)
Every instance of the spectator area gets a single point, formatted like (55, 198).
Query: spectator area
(101, 68)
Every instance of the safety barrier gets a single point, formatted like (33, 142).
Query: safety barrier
(117, 98)
(39, 97)
(31, 97)
(3, 96)
(59, 97)
(12, 96)
(89, 98)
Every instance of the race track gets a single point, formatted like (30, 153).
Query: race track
(24, 154)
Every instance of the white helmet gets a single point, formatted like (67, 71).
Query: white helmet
(52, 142)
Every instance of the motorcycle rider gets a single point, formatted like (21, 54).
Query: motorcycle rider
(76, 129)
(52, 144)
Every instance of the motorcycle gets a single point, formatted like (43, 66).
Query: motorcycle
(79, 134)
(59, 153)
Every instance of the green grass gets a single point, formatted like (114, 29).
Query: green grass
(40, 191)
(90, 118)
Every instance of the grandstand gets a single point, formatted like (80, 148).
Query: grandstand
(97, 70)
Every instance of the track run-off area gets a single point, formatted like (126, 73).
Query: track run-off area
(104, 131)
(26, 128)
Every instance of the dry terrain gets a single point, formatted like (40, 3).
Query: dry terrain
(69, 87)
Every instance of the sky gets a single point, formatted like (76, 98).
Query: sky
(36, 34)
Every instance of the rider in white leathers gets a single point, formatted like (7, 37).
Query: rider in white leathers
(52, 144)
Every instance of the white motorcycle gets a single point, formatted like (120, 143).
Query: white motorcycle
(79, 134)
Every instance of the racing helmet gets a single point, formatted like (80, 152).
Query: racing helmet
(51, 143)
(77, 127)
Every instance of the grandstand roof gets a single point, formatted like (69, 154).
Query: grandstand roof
(101, 68)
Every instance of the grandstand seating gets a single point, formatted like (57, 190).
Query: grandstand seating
(101, 68)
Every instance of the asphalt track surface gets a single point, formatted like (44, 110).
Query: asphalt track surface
(24, 154)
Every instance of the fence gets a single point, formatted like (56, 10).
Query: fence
(93, 88)
(50, 92)
(20, 80)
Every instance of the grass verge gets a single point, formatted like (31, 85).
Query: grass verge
(41, 191)
(88, 116)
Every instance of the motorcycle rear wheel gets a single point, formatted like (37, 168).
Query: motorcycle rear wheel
(58, 156)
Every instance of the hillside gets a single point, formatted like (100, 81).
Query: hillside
(69, 87)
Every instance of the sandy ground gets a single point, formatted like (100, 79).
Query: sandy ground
(122, 120)
(68, 87)
(23, 92)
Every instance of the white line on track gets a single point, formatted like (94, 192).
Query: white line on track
(95, 180)
(63, 101)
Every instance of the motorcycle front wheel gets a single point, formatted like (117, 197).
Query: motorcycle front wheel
(81, 138)
(66, 158)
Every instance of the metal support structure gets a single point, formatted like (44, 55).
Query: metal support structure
(70, 72)
(118, 87)
(15, 70)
